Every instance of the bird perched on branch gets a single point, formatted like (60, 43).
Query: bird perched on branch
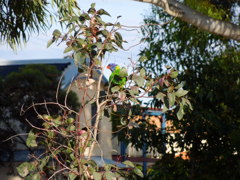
(118, 76)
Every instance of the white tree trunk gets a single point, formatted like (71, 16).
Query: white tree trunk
(183, 12)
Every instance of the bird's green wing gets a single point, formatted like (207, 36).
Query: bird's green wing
(118, 77)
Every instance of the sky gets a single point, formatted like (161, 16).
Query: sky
(132, 15)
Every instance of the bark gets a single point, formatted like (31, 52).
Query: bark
(183, 12)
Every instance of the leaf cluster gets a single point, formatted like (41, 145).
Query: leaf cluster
(89, 37)
(19, 19)
(65, 144)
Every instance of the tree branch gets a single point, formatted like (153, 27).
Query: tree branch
(186, 14)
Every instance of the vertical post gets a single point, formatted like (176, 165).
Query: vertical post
(123, 150)
(144, 152)
(163, 124)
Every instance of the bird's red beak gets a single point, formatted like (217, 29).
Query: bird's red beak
(108, 67)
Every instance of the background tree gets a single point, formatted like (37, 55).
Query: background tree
(211, 73)
(192, 12)
(19, 19)
(32, 84)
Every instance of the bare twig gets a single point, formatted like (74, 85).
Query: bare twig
(11, 137)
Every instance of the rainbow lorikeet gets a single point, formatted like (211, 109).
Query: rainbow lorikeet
(118, 76)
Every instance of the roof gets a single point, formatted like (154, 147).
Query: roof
(24, 155)
(101, 162)
(67, 66)
(7, 67)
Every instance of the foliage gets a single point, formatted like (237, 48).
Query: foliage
(70, 142)
(216, 117)
(18, 19)
(31, 84)
(213, 9)
(167, 92)
(211, 74)
(169, 168)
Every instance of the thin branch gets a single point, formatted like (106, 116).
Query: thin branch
(56, 172)
(11, 137)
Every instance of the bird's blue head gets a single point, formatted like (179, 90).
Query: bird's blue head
(112, 66)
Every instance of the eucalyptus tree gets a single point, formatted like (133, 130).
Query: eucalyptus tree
(211, 72)
(19, 19)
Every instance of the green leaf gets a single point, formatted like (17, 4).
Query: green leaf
(115, 89)
(170, 89)
(108, 167)
(84, 17)
(46, 125)
(108, 46)
(129, 163)
(105, 33)
(77, 57)
(80, 41)
(24, 169)
(71, 128)
(143, 58)
(36, 176)
(171, 99)
(134, 90)
(165, 109)
(58, 121)
(119, 44)
(138, 80)
(122, 96)
(174, 74)
(97, 176)
(103, 12)
(134, 100)
(123, 72)
(179, 85)
(68, 49)
(149, 83)
(72, 176)
(49, 43)
(109, 175)
(51, 134)
(121, 178)
(99, 20)
(180, 112)
(93, 5)
(56, 33)
(91, 10)
(118, 36)
(43, 163)
(31, 140)
(186, 101)
(92, 163)
(181, 92)
(99, 45)
(142, 72)
(160, 95)
(168, 67)
(138, 172)
(70, 120)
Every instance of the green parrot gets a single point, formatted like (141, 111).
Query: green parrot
(118, 76)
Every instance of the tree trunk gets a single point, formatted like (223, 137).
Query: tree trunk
(183, 12)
